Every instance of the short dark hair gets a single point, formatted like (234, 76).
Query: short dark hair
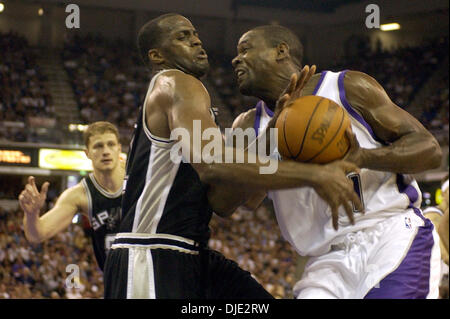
(100, 127)
(150, 36)
(276, 34)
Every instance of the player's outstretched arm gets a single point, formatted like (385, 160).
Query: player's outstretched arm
(39, 228)
(405, 137)
(192, 103)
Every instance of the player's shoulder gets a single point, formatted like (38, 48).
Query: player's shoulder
(77, 193)
(177, 79)
(175, 85)
(245, 119)
(356, 80)
(75, 196)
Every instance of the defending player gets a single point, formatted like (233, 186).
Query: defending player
(161, 250)
(392, 251)
(98, 196)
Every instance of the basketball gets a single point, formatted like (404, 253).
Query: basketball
(312, 130)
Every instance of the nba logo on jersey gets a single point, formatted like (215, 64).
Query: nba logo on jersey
(408, 222)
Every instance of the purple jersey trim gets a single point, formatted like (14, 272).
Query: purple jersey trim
(268, 111)
(257, 117)
(411, 279)
(409, 190)
(350, 109)
(322, 76)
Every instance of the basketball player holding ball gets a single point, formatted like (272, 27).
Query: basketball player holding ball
(391, 251)
(161, 251)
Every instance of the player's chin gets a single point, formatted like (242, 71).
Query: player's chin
(202, 69)
(107, 166)
(245, 87)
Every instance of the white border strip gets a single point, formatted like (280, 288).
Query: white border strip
(159, 235)
(103, 191)
(155, 246)
(151, 275)
(130, 273)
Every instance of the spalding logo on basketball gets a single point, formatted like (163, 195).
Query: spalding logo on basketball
(312, 130)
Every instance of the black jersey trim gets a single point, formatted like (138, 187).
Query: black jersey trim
(156, 241)
(103, 191)
(89, 198)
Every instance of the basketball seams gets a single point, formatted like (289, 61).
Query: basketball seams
(284, 134)
(307, 127)
(332, 139)
(314, 130)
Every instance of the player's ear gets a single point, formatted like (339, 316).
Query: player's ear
(282, 51)
(155, 56)
(86, 151)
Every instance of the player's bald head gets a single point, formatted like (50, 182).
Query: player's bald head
(277, 34)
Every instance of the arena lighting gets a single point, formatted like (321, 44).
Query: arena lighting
(2, 7)
(82, 127)
(77, 127)
(41, 11)
(390, 27)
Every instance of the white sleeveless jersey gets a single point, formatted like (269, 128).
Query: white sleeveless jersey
(305, 219)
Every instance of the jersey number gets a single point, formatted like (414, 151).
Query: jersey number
(356, 179)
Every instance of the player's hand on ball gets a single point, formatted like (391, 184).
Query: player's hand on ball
(30, 199)
(293, 91)
(333, 186)
(355, 152)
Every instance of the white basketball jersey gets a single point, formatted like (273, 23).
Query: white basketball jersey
(305, 219)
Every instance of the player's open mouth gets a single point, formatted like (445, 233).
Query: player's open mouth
(240, 73)
(107, 161)
(202, 55)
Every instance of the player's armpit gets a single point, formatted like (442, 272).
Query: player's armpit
(255, 200)
(404, 137)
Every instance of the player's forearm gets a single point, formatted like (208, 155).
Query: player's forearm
(412, 153)
(33, 228)
(288, 175)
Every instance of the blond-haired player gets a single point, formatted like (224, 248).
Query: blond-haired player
(98, 196)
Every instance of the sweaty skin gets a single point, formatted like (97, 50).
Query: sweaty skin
(178, 99)
(264, 71)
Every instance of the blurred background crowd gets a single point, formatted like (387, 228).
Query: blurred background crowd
(110, 82)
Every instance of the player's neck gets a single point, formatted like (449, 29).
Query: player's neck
(163, 67)
(276, 87)
(110, 180)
